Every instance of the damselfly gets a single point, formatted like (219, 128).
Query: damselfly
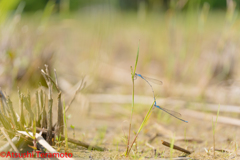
(148, 80)
(172, 113)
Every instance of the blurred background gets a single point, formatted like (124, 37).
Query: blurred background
(192, 46)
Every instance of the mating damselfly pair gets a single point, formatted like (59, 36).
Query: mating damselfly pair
(148, 80)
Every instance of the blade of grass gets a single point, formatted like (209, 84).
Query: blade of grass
(171, 146)
(34, 132)
(133, 75)
(65, 127)
(12, 113)
(136, 62)
(140, 128)
(9, 140)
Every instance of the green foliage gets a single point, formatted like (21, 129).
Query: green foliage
(47, 12)
(77, 4)
(32, 6)
(6, 6)
(133, 5)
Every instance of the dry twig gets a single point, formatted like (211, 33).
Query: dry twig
(176, 147)
(80, 87)
(59, 126)
(49, 82)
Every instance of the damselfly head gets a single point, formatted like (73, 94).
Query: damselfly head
(135, 76)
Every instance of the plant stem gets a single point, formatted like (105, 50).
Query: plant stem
(65, 127)
(34, 132)
(140, 128)
(130, 124)
(127, 152)
(172, 146)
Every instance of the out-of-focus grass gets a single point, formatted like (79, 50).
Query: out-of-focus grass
(177, 53)
(173, 52)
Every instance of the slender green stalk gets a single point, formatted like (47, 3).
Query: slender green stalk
(140, 128)
(22, 118)
(171, 147)
(43, 108)
(127, 151)
(34, 129)
(65, 127)
(236, 148)
(38, 109)
(130, 124)
(12, 113)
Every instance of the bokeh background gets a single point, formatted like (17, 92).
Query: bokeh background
(192, 46)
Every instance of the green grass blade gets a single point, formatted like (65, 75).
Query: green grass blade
(6, 6)
(65, 127)
(136, 61)
(171, 146)
(133, 74)
(47, 12)
(146, 117)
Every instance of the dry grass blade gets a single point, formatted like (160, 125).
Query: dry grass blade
(59, 125)
(80, 87)
(9, 141)
(49, 82)
(2, 102)
(7, 146)
(49, 79)
(149, 145)
(41, 140)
